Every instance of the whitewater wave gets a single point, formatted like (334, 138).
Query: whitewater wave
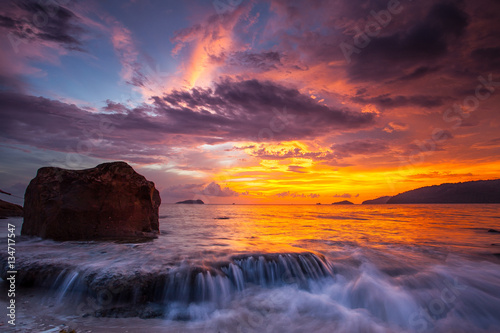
(392, 273)
(287, 292)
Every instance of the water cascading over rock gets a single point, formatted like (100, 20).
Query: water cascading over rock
(124, 293)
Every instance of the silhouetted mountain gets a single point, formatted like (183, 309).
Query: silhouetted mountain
(377, 201)
(343, 202)
(481, 191)
(198, 202)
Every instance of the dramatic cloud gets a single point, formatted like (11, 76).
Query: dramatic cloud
(395, 126)
(234, 111)
(418, 73)
(31, 20)
(389, 102)
(358, 147)
(253, 110)
(206, 192)
(493, 143)
(283, 154)
(426, 41)
(126, 50)
(215, 190)
(207, 45)
(250, 101)
(487, 58)
(297, 169)
(345, 196)
(264, 61)
(441, 175)
(336, 152)
(297, 195)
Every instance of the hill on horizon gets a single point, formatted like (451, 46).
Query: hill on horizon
(480, 191)
(377, 201)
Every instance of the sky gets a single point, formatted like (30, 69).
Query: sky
(239, 101)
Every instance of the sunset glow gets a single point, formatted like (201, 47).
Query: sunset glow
(273, 102)
(250, 166)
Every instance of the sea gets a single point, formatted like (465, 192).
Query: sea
(269, 268)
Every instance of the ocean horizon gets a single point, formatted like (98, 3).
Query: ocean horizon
(250, 166)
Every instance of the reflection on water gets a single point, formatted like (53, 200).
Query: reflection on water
(283, 268)
(277, 228)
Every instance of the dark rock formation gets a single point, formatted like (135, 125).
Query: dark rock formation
(482, 191)
(110, 201)
(8, 209)
(343, 202)
(131, 291)
(197, 202)
(377, 201)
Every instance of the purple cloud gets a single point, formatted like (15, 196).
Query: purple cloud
(234, 111)
(345, 196)
(297, 195)
(30, 20)
(297, 169)
(215, 190)
(358, 147)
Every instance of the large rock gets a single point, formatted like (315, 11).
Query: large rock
(8, 209)
(108, 201)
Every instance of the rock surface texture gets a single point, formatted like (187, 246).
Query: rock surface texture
(110, 201)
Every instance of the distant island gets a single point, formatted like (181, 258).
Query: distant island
(343, 202)
(377, 201)
(191, 202)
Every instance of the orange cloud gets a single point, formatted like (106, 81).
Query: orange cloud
(207, 45)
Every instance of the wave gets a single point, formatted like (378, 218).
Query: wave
(358, 290)
(216, 283)
(338, 217)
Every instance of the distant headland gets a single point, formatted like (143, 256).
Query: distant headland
(480, 191)
(377, 201)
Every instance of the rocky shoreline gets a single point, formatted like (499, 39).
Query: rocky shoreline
(126, 292)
